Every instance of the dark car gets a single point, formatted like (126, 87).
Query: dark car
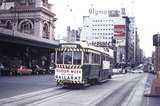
(4, 70)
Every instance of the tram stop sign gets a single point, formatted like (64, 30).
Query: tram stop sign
(156, 40)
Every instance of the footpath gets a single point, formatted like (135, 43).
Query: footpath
(137, 98)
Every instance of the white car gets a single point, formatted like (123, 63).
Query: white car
(116, 70)
(137, 71)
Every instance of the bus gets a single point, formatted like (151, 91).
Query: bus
(80, 64)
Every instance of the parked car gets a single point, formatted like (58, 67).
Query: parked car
(23, 70)
(137, 71)
(4, 70)
(117, 70)
(1, 68)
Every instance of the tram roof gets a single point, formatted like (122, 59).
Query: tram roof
(87, 46)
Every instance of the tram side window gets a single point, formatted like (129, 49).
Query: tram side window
(86, 58)
(95, 58)
(68, 57)
(103, 57)
(77, 58)
(60, 58)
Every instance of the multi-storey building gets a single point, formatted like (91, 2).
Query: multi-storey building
(98, 31)
(101, 31)
(73, 35)
(32, 17)
(26, 32)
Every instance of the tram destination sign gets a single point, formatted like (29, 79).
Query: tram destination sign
(69, 46)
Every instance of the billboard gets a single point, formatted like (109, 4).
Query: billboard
(120, 30)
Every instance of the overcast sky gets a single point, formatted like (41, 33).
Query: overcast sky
(146, 13)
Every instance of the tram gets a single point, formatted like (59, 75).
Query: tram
(80, 64)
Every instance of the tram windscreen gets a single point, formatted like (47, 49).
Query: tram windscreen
(77, 58)
(60, 57)
(68, 57)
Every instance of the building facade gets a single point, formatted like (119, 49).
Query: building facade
(72, 34)
(33, 17)
(98, 31)
(27, 33)
(101, 31)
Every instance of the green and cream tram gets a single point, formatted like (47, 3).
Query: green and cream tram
(80, 64)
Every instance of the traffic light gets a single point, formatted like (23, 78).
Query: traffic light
(156, 40)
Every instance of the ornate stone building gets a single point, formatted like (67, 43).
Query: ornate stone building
(33, 17)
(27, 33)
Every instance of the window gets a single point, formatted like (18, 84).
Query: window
(77, 58)
(26, 27)
(45, 31)
(86, 58)
(95, 58)
(68, 57)
(60, 57)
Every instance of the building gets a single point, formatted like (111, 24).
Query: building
(73, 35)
(100, 31)
(137, 49)
(26, 33)
(33, 17)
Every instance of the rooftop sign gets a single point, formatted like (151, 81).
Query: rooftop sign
(109, 13)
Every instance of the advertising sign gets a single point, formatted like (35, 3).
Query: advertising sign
(119, 30)
(106, 64)
(110, 13)
(68, 74)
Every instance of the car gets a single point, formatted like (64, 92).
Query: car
(117, 70)
(4, 70)
(23, 70)
(137, 71)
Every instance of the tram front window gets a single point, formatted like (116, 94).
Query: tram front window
(77, 58)
(60, 58)
(68, 57)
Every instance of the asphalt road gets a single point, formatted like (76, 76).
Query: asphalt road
(121, 90)
(16, 85)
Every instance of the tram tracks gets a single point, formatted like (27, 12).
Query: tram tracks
(30, 98)
(93, 95)
(119, 95)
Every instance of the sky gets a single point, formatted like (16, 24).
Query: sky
(71, 12)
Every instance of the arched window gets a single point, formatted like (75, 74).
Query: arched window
(26, 26)
(45, 31)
